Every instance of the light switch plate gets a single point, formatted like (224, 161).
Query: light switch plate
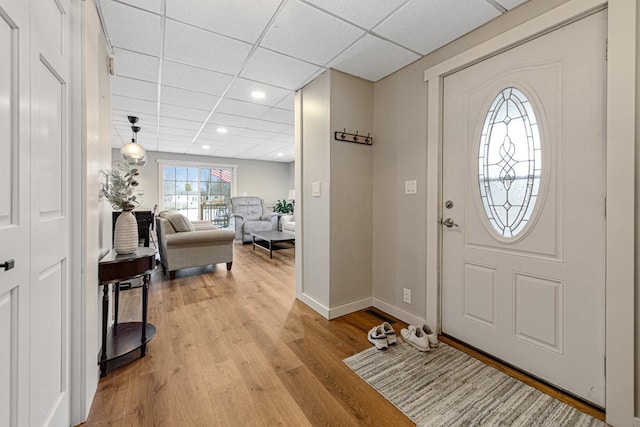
(315, 189)
(411, 187)
(406, 297)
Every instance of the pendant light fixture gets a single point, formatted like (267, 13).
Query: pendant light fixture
(133, 153)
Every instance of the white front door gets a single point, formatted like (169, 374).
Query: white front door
(523, 274)
(34, 212)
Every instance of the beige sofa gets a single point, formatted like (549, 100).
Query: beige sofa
(184, 244)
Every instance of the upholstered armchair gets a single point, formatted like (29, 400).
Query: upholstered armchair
(248, 215)
(288, 224)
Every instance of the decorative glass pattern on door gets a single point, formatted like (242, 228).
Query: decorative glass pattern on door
(509, 162)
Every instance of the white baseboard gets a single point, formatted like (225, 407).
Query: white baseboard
(350, 308)
(636, 422)
(397, 313)
(315, 305)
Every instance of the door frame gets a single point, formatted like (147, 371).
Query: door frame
(620, 185)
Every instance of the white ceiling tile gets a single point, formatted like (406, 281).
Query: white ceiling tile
(177, 112)
(360, 12)
(424, 26)
(134, 88)
(257, 134)
(228, 120)
(232, 149)
(176, 139)
(241, 89)
(291, 131)
(241, 108)
(279, 70)
(283, 139)
(287, 103)
(172, 147)
(191, 45)
(230, 139)
(171, 131)
(304, 32)
(278, 115)
(240, 19)
(265, 125)
(154, 6)
(147, 120)
(373, 58)
(132, 28)
(179, 124)
(194, 78)
(132, 106)
(136, 65)
(510, 4)
(210, 131)
(187, 98)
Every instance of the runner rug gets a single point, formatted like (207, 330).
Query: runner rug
(446, 387)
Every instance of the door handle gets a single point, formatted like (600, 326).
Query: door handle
(8, 265)
(449, 223)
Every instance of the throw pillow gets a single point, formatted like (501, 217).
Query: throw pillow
(179, 222)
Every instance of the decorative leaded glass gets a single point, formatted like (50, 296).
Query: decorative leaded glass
(510, 162)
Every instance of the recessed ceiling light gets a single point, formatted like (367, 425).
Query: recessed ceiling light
(280, 154)
(257, 94)
(222, 130)
(206, 147)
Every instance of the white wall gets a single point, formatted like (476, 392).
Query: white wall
(96, 234)
(269, 180)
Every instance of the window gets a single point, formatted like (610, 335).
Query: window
(509, 162)
(194, 190)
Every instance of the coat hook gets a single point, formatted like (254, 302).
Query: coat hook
(368, 138)
(355, 137)
(343, 136)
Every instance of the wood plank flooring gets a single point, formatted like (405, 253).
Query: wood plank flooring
(237, 349)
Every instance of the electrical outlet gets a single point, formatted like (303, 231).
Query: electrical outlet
(407, 296)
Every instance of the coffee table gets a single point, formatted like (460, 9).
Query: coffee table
(272, 240)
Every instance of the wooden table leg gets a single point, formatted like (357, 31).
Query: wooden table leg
(145, 298)
(116, 306)
(105, 314)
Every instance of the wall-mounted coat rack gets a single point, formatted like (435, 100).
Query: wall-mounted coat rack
(353, 137)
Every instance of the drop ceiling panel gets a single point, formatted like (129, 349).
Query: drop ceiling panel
(149, 121)
(179, 124)
(304, 32)
(136, 65)
(241, 108)
(283, 139)
(257, 134)
(194, 78)
(187, 98)
(360, 12)
(232, 150)
(171, 147)
(134, 88)
(425, 26)
(190, 45)
(154, 6)
(510, 4)
(278, 70)
(265, 125)
(228, 120)
(241, 89)
(132, 106)
(132, 28)
(170, 131)
(240, 19)
(373, 58)
(288, 102)
(177, 112)
(278, 115)
(211, 131)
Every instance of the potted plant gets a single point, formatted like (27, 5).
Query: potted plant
(119, 189)
(283, 207)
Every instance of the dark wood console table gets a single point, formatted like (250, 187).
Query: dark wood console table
(124, 338)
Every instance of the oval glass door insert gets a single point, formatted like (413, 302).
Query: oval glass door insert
(510, 162)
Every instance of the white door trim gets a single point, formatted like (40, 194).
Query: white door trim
(620, 260)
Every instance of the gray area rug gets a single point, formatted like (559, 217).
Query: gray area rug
(446, 387)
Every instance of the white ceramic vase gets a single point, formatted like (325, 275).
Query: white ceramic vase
(125, 239)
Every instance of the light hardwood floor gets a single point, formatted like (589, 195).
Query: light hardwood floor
(237, 349)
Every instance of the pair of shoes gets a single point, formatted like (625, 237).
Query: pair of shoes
(421, 337)
(382, 336)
